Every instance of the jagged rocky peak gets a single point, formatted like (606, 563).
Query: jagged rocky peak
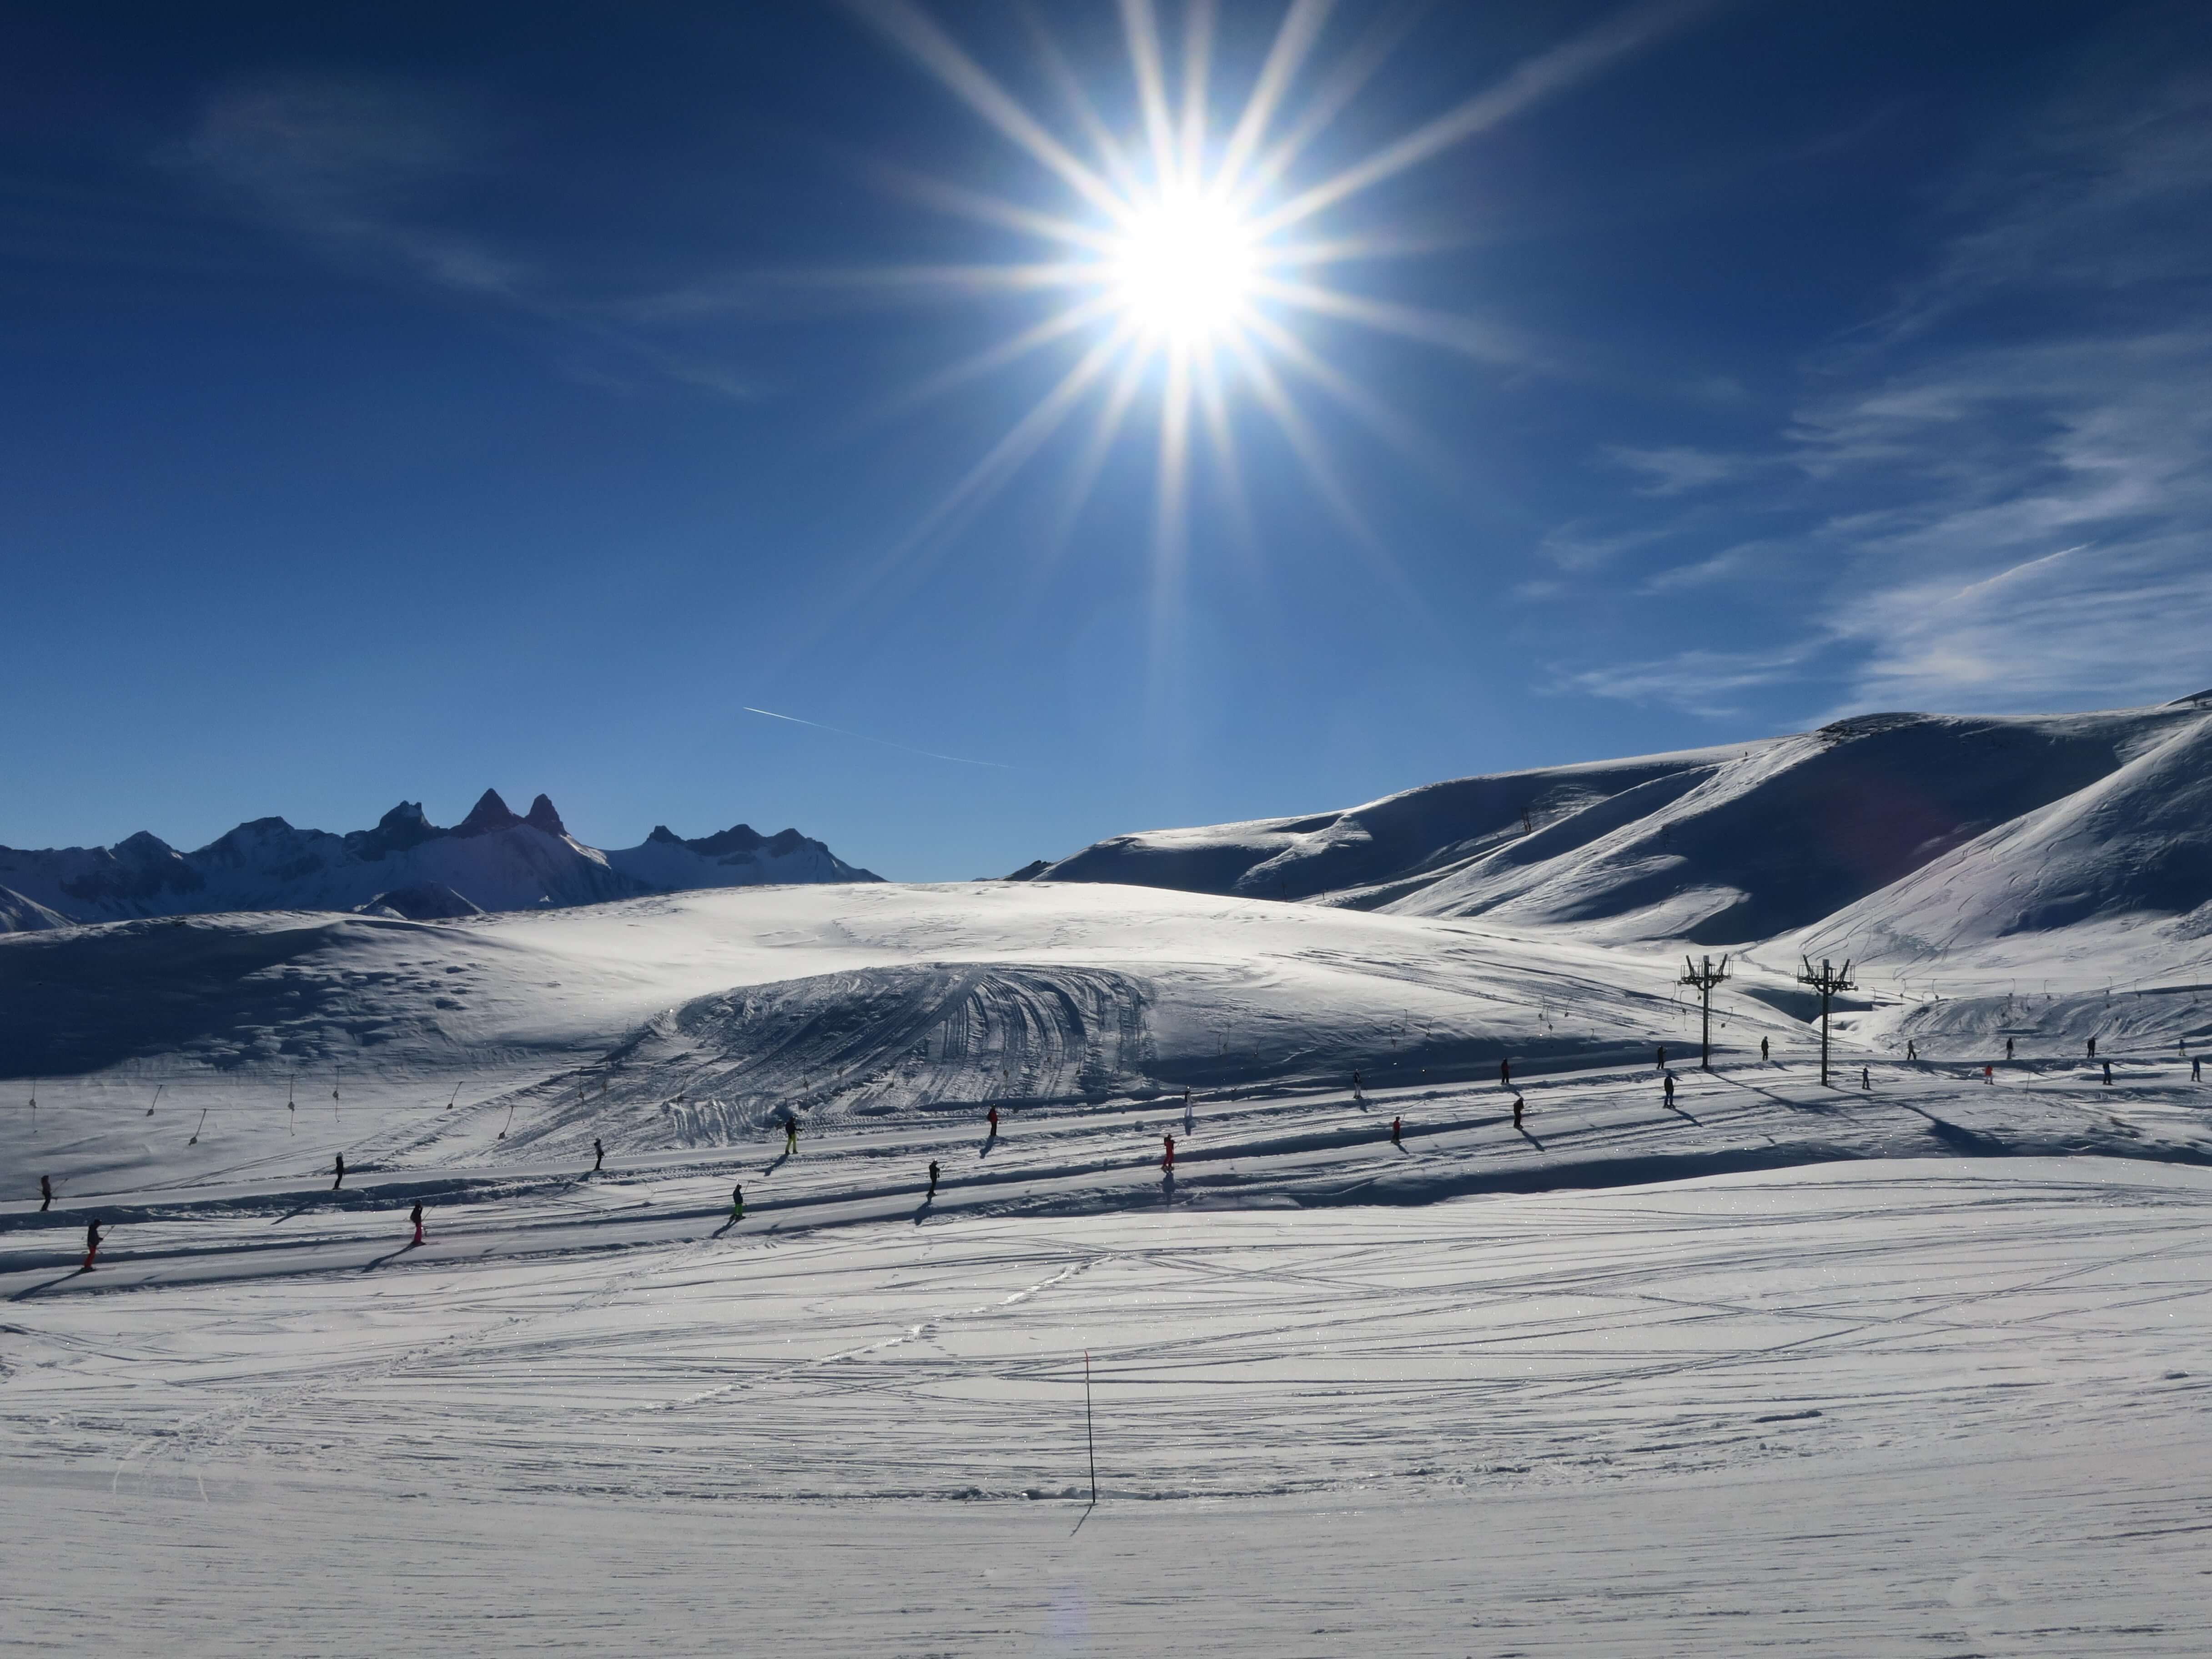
(541, 816)
(489, 813)
(403, 827)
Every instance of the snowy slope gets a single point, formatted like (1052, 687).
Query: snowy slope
(493, 860)
(2136, 842)
(1722, 845)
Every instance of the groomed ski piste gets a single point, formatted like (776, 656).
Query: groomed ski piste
(1913, 1361)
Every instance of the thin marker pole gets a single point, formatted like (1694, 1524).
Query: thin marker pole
(1089, 1438)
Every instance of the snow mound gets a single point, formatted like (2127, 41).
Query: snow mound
(428, 901)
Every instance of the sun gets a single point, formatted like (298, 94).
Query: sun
(1184, 268)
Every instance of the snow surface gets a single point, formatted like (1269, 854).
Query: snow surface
(1910, 1361)
(1936, 1406)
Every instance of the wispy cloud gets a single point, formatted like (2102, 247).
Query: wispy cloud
(2002, 493)
(1698, 682)
(386, 177)
(1676, 469)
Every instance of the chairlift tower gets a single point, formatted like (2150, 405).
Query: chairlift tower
(1704, 976)
(1827, 981)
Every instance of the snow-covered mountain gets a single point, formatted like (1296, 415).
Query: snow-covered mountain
(406, 866)
(1923, 823)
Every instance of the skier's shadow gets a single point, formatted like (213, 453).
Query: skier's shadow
(1779, 1100)
(1529, 1136)
(989, 1141)
(921, 1211)
(776, 1162)
(63, 1279)
(297, 1209)
(1167, 1184)
(724, 1228)
(1679, 1112)
(392, 1255)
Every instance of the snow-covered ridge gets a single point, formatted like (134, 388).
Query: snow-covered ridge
(406, 866)
(1939, 823)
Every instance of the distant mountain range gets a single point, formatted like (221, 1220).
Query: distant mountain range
(1922, 832)
(406, 866)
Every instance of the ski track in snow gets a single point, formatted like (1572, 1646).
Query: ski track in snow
(1973, 1384)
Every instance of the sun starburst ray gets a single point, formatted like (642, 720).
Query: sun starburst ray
(1197, 66)
(1300, 28)
(1090, 463)
(1536, 79)
(1062, 323)
(1415, 445)
(1487, 341)
(989, 475)
(1337, 89)
(986, 208)
(907, 25)
(1113, 156)
(1140, 28)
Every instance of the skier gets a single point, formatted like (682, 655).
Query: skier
(736, 1203)
(1670, 1084)
(2008, 1048)
(1663, 1056)
(933, 1181)
(1518, 1102)
(46, 1193)
(415, 1216)
(1167, 1159)
(1989, 1074)
(91, 1243)
(339, 1180)
(2108, 1071)
(1762, 1050)
(1397, 1136)
(1866, 1081)
(2092, 1047)
(1911, 1049)
(994, 1123)
(598, 1153)
(1505, 1073)
(790, 1134)
(1355, 1088)
(2195, 1068)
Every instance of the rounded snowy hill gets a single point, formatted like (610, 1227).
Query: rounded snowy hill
(1745, 842)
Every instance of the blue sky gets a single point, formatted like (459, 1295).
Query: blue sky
(407, 399)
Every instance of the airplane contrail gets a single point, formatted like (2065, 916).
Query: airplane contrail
(930, 754)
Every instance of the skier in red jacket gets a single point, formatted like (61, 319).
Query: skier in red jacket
(1167, 1159)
